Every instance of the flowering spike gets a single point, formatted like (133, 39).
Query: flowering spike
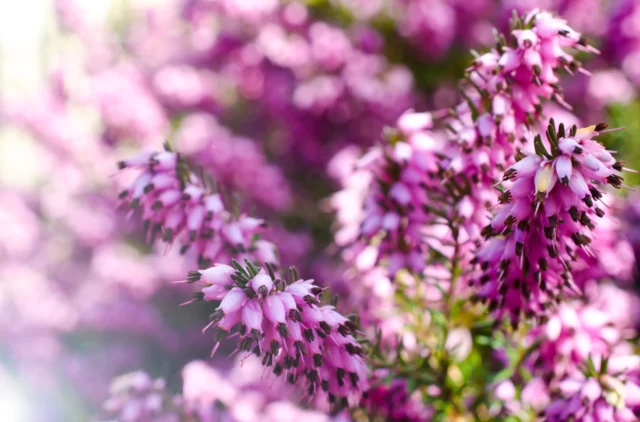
(528, 268)
(176, 207)
(283, 325)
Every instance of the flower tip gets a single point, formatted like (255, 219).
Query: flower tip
(543, 179)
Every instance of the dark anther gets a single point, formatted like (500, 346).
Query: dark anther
(549, 233)
(519, 248)
(584, 219)
(615, 180)
(573, 212)
(325, 327)
(278, 369)
(543, 264)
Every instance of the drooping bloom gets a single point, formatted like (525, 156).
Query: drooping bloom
(176, 206)
(506, 87)
(284, 324)
(419, 178)
(544, 222)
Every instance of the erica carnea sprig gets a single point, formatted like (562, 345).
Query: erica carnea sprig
(506, 87)
(284, 324)
(545, 216)
(179, 207)
(392, 229)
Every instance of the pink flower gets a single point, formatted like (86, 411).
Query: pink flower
(545, 222)
(569, 337)
(176, 206)
(391, 181)
(607, 390)
(284, 324)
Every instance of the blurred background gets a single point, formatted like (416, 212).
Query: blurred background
(262, 94)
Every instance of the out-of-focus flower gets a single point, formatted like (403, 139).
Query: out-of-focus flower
(177, 206)
(205, 142)
(618, 88)
(569, 337)
(392, 402)
(606, 392)
(136, 397)
(623, 37)
(391, 226)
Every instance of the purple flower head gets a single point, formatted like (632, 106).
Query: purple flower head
(177, 206)
(506, 86)
(544, 222)
(504, 90)
(391, 180)
(284, 324)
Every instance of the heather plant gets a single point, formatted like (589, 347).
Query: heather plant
(277, 210)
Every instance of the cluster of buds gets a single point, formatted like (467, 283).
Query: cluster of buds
(544, 218)
(284, 323)
(177, 206)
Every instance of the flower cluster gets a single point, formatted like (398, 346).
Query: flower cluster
(419, 177)
(570, 336)
(544, 219)
(578, 362)
(177, 206)
(504, 91)
(284, 324)
(607, 390)
(393, 216)
(450, 207)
